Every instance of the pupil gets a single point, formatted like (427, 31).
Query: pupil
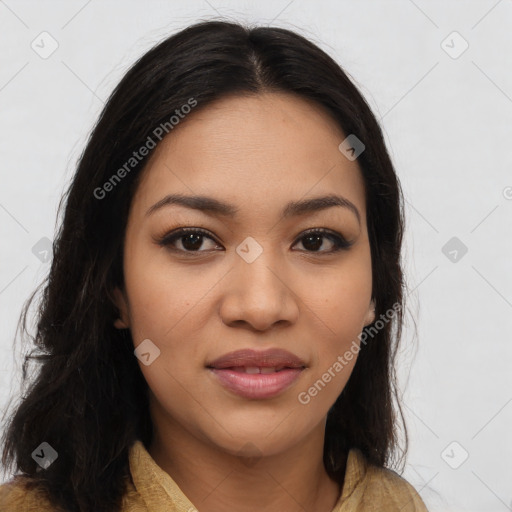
(190, 238)
(316, 245)
(193, 242)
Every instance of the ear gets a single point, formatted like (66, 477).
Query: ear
(123, 322)
(370, 315)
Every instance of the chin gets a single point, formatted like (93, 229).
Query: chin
(254, 438)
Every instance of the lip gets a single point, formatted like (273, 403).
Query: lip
(263, 359)
(228, 369)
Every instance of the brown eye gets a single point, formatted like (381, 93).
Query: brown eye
(191, 239)
(314, 239)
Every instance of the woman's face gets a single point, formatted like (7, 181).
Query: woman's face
(253, 278)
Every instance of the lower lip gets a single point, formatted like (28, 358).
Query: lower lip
(257, 385)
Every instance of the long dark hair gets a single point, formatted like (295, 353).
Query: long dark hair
(89, 398)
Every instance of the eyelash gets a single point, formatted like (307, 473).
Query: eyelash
(340, 242)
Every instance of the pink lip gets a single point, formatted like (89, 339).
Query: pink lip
(229, 369)
(265, 358)
(257, 385)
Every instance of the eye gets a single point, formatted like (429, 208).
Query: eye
(313, 239)
(191, 240)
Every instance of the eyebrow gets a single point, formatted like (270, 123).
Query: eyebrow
(210, 205)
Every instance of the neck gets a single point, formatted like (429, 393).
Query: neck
(217, 481)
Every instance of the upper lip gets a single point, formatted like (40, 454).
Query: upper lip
(270, 358)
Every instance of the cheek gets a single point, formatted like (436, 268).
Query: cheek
(340, 307)
(169, 305)
(163, 296)
(340, 298)
(339, 319)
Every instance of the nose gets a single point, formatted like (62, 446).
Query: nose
(259, 295)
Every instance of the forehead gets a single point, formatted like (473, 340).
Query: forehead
(255, 151)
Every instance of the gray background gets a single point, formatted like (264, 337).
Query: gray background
(447, 118)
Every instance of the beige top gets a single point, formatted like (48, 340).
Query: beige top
(366, 488)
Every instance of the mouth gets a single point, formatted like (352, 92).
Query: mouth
(256, 369)
(257, 375)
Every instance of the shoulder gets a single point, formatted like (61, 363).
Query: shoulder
(393, 490)
(16, 496)
(368, 487)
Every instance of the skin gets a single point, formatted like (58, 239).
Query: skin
(258, 153)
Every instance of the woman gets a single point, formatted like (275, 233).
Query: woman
(225, 300)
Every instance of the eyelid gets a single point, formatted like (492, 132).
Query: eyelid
(340, 241)
(170, 236)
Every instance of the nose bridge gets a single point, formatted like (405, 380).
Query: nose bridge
(257, 267)
(260, 295)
